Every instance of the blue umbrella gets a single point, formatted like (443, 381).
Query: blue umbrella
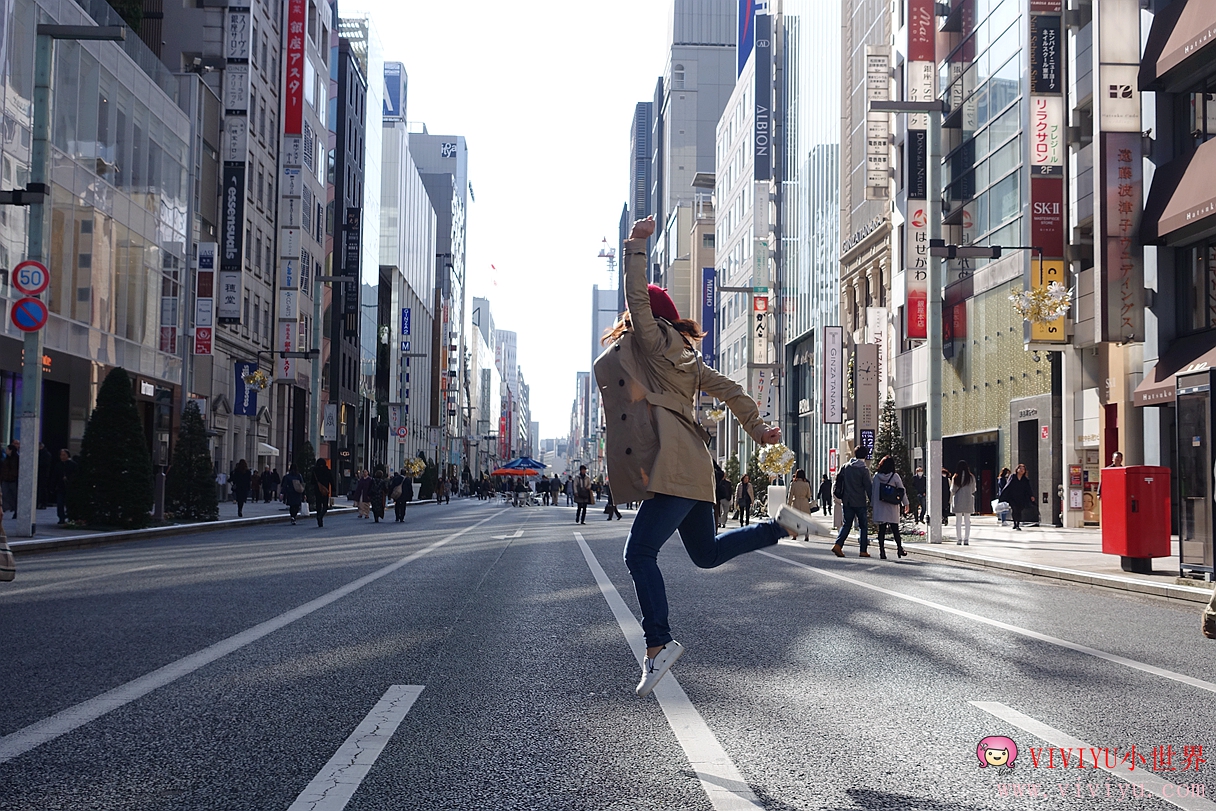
(525, 462)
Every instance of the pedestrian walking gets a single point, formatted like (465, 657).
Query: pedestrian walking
(65, 472)
(649, 377)
(610, 508)
(323, 479)
(890, 500)
(825, 495)
(10, 470)
(1018, 494)
(569, 491)
(255, 486)
(555, 488)
(542, 487)
(360, 494)
(1002, 505)
(377, 491)
(946, 484)
(401, 490)
(240, 479)
(799, 495)
(272, 478)
(853, 489)
(745, 495)
(722, 492)
(292, 487)
(919, 488)
(1208, 623)
(582, 495)
(962, 487)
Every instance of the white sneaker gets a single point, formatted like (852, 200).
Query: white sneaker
(655, 669)
(798, 523)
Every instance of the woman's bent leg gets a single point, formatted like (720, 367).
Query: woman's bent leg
(656, 520)
(709, 551)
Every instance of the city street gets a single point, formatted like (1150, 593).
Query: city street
(476, 657)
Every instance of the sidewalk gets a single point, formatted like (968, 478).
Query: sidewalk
(1064, 554)
(50, 535)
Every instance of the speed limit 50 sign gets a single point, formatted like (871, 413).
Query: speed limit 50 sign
(31, 277)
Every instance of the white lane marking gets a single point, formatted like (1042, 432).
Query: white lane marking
(518, 533)
(57, 584)
(1172, 793)
(1053, 640)
(65, 721)
(721, 780)
(337, 782)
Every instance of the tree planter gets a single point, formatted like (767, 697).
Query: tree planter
(417, 489)
(776, 497)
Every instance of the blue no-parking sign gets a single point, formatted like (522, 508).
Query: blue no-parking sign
(29, 315)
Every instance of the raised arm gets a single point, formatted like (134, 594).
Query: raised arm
(743, 407)
(637, 297)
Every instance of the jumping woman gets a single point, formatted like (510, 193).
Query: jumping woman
(649, 378)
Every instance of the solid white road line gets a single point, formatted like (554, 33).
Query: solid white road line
(65, 721)
(45, 586)
(335, 784)
(1053, 640)
(1172, 793)
(723, 784)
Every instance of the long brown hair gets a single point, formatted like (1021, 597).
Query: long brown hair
(685, 326)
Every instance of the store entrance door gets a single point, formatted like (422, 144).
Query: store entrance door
(1194, 431)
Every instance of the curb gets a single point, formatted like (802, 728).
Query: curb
(1170, 591)
(153, 533)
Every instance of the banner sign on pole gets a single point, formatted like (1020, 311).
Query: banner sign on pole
(833, 375)
(709, 289)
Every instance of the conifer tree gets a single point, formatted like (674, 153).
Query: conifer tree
(113, 484)
(890, 441)
(732, 469)
(190, 492)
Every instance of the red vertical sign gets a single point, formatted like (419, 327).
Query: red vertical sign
(293, 96)
(922, 31)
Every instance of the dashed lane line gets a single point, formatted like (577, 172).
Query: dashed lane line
(1114, 658)
(720, 778)
(1181, 796)
(338, 781)
(72, 718)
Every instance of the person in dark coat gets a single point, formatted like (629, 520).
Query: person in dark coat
(255, 486)
(919, 488)
(10, 471)
(293, 495)
(824, 495)
(377, 492)
(65, 471)
(324, 480)
(241, 480)
(610, 509)
(404, 497)
(853, 486)
(1018, 495)
(270, 484)
(946, 511)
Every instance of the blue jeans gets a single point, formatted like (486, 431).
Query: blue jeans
(862, 516)
(656, 520)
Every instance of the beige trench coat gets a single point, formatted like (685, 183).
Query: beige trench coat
(648, 381)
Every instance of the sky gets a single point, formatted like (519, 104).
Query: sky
(545, 96)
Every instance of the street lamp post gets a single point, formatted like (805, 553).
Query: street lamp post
(30, 420)
(934, 111)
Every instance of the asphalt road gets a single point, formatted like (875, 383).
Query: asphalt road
(470, 659)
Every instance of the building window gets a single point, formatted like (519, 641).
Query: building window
(707, 240)
(1197, 299)
(677, 77)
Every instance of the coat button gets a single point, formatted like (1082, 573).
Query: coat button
(620, 382)
(617, 347)
(628, 451)
(622, 416)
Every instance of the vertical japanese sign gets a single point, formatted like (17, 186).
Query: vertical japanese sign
(922, 70)
(763, 109)
(1120, 256)
(876, 333)
(1046, 52)
(352, 238)
(232, 234)
(1047, 136)
(760, 332)
(709, 289)
(878, 125)
(293, 96)
(204, 299)
(833, 375)
(1043, 273)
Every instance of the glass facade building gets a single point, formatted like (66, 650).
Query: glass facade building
(118, 222)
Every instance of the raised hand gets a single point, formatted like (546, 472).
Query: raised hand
(643, 229)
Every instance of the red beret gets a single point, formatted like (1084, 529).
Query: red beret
(661, 304)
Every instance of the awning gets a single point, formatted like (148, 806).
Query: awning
(1183, 196)
(1191, 354)
(267, 450)
(1180, 32)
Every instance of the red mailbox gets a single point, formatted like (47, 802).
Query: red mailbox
(1136, 515)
